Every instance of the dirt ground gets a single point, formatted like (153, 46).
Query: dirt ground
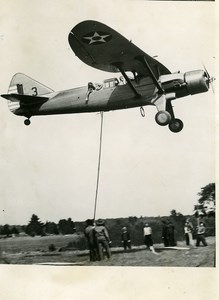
(137, 256)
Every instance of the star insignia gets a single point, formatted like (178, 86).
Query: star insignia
(97, 38)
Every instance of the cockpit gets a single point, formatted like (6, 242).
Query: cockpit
(112, 82)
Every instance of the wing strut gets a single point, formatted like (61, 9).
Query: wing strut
(156, 82)
(118, 65)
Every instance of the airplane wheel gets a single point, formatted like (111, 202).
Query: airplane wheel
(176, 125)
(163, 118)
(27, 122)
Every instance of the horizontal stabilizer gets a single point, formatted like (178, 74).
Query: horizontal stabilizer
(25, 99)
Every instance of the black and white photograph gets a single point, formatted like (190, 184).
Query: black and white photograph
(108, 148)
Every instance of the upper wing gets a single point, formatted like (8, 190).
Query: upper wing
(103, 48)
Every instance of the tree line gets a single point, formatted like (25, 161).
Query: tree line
(36, 227)
(133, 223)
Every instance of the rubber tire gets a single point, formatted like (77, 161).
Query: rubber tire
(27, 122)
(163, 118)
(176, 125)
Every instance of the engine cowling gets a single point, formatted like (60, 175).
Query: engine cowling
(196, 82)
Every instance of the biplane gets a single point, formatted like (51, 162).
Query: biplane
(101, 47)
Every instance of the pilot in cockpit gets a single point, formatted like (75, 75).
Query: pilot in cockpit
(91, 87)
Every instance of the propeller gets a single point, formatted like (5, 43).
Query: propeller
(209, 78)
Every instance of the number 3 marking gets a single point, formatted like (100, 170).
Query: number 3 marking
(35, 91)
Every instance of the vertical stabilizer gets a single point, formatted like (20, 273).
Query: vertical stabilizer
(24, 85)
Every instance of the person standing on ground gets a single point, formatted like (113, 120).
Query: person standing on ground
(125, 237)
(201, 229)
(171, 232)
(188, 230)
(165, 235)
(148, 238)
(103, 239)
(91, 239)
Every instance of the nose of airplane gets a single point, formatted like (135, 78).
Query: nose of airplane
(197, 81)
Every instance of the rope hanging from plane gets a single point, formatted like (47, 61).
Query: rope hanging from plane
(98, 169)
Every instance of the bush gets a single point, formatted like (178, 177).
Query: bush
(52, 247)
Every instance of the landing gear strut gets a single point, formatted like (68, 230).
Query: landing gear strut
(27, 122)
(175, 125)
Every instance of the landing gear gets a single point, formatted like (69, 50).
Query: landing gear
(176, 125)
(27, 122)
(163, 118)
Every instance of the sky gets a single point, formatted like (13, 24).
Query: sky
(50, 167)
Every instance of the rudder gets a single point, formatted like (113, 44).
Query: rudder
(24, 85)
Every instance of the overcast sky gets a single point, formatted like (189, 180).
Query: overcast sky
(50, 167)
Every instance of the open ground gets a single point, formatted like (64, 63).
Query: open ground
(28, 250)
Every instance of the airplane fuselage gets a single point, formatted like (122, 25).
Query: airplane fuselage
(109, 97)
(114, 96)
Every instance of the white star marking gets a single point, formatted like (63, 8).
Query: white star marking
(96, 38)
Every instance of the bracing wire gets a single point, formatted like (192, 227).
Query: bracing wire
(99, 161)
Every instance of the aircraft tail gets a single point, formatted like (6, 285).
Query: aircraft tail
(22, 84)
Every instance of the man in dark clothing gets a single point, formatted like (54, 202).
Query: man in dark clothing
(125, 237)
(165, 234)
(91, 239)
(171, 233)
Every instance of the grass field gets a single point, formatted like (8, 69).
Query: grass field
(28, 250)
(37, 243)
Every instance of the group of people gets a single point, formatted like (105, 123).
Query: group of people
(148, 238)
(98, 239)
(190, 231)
(147, 232)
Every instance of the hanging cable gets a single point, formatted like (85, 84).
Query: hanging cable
(98, 169)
